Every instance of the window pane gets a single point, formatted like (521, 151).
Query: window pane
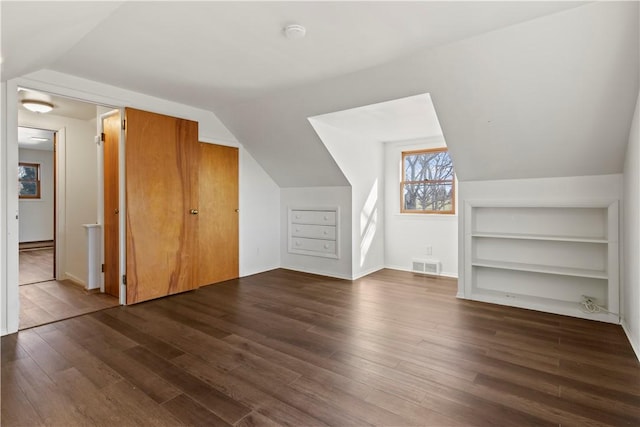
(428, 166)
(28, 188)
(28, 173)
(428, 197)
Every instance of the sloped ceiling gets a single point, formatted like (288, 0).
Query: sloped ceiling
(516, 96)
(546, 98)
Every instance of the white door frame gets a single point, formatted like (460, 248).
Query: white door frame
(9, 288)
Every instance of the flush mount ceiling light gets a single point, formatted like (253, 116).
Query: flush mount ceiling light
(37, 106)
(294, 31)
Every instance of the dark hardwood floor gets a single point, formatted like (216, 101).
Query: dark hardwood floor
(47, 302)
(36, 265)
(286, 348)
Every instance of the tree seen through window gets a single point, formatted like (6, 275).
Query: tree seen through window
(428, 182)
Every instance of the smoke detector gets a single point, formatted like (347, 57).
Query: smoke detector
(294, 31)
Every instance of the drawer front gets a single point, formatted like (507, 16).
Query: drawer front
(313, 245)
(313, 217)
(327, 232)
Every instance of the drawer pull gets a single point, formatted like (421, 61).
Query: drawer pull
(297, 230)
(326, 246)
(326, 217)
(325, 232)
(297, 243)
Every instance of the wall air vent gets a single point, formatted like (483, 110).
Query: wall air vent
(426, 266)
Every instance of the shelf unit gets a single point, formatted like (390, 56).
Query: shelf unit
(543, 256)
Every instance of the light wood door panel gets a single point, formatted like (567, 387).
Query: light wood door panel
(218, 222)
(161, 155)
(111, 130)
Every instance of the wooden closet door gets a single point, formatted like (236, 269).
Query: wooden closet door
(161, 164)
(218, 232)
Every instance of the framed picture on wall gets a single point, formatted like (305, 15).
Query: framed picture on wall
(29, 180)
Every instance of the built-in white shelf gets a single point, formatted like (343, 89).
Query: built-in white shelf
(566, 308)
(547, 269)
(543, 256)
(552, 238)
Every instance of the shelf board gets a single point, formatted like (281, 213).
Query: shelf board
(567, 308)
(547, 269)
(551, 238)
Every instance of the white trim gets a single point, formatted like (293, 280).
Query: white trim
(76, 280)
(634, 344)
(4, 212)
(317, 272)
(367, 272)
(61, 203)
(12, 302)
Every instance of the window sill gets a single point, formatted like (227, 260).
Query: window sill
(424, 215)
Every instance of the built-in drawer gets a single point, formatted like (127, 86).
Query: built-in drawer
(313, 217)
(313, 245)
(327, 232)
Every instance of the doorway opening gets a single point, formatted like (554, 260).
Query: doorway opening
(62, 196)
(36, 191)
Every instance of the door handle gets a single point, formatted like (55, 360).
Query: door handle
(193, 211)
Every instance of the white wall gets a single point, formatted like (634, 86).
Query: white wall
(81, 187)
(259, 218)
(256, 249)
(318, 197)
(36, 215)
(563, 190)
(630, 290)
(407, 236)
(361, 159)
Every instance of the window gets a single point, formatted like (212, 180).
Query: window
(29, 180)
(428, 182)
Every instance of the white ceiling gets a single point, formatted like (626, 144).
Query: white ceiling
(549, 97)
(403, 119)
(65, 107)
(511, 81)
(26, 135)
(209, 54)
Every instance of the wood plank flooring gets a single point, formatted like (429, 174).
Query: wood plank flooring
(287, 348)
(36, 265)
(47, 302)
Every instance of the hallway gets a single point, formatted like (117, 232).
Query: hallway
(45, 300)
(36, 265)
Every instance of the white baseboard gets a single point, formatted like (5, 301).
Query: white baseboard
(3, 332)
(318, 272)
(75, 279)
(632, 341)
(251, 272)
(367, 272)
(443, 273)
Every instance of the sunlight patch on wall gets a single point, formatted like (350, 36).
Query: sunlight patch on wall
(368, 222)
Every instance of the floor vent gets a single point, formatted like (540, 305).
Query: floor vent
(426, 266)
